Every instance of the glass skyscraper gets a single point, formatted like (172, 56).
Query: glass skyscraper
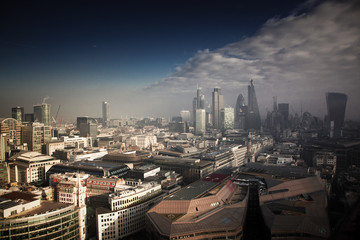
(217, 105)
(253, 116)
(42, 113)
(106, 113)
(336, 105)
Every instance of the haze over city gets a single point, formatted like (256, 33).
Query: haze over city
(147, 59)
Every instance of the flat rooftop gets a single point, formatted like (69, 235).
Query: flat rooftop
(46, 206)
(193, 190)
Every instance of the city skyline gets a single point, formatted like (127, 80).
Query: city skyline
(148, 62)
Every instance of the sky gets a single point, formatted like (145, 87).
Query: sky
(146, 58)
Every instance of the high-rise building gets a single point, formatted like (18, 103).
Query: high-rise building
(240, 113)
(10, 134)
(36, 136)
(42, 113)
(217, 105)
(194, 105)
(18, 114)
(283, 109)
(227, 118)
(253, 116)
(106, 113)
(200, 99)
(336, 105)
(185, 115)
(200, 125)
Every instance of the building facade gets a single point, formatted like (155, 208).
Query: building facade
(217, 105)
(253, 115)
(42, 114)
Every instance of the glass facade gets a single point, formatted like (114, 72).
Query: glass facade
(58, 224)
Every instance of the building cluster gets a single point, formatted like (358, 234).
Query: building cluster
(214, 173)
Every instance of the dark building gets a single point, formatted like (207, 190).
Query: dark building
(336, 105)
(217, 105)
(283, 109)
(29, 117)
(240, 113)
(87, 127)
(95, 168)
(18, 114)
(179, 127)
(253, 116)
(106, 113)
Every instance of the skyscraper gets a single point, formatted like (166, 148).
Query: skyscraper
(283, 109)
(336, 105)
(217, 105)
(42, 113)
(227, 118)
(253, 116)
(200, 125)
(200, 99)
(185, 115)
(106, 113)
(18, 114)
(198, 103)
(240, 113)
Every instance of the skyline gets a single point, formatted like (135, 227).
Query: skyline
(148, 61)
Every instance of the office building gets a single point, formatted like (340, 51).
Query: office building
(185, 115)
(296, 209)
(10, 136)
(128, 206)
(94, 168)
(217, 105)
(18, 114)
(29, 117)
(179, 127)
(240, 113)
(336, 106)
(227, 118)
(87, 127)
(106, 113)
(23, 216)
(283, 109)
(253, 115)
(30, 167)
(36, 135)
(212, 208)
(42, 114)
(200, 125)
(200, 99)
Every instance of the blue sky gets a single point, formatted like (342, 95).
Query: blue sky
(146, 58)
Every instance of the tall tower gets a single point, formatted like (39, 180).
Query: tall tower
(253, 116)
(217, 105)
(200, 99)
(200, 125)
(18, 114)
(240, 113)
(227, 118)
(106, 113)
(42, 113)
(336, 105)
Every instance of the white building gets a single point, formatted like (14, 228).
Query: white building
(200, 124)
(77, 142)
(127, 210)
(142, 141)
(72, 190)
(31, 167)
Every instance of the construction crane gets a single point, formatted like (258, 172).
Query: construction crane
(55, 119)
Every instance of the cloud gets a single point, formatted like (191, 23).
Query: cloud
(297, 58)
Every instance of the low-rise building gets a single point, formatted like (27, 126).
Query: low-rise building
(31, 219)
